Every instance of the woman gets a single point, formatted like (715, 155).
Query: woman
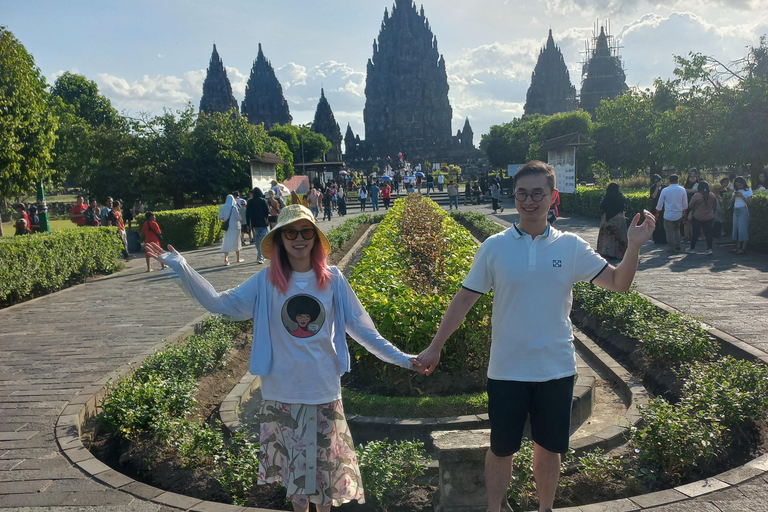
(762, 181)
(467, 193)
(703, 205)
(151, 231)
(740, 201)
(362, 195)
(305, 442)
(257, 213)
(386, 194)
(554, 209)
(341, 201)
(690, 187)
(274, 209)
(230, 215)
(659, 235)
(116, 219)
(612, 238)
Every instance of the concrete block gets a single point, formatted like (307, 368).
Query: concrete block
(176, 500)
(655, 499)
(701, 487)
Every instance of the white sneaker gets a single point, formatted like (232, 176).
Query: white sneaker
(708, 252)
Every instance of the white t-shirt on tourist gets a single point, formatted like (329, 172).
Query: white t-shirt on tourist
(738, 202)
(673, 200)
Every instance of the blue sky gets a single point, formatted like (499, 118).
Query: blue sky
(150, 55)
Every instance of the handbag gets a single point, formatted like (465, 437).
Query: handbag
(225, 225)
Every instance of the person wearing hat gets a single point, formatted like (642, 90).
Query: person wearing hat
(19, 207)
(302, 310)
(21, 227)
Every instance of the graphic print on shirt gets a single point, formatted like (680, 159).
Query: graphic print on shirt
(303, 316)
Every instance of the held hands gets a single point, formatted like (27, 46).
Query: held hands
(428, 360)
(638, 234)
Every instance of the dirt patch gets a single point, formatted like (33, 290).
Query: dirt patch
(336, 256)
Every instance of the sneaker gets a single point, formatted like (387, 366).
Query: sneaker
(260, 261)
(708, 252)
(690, 251)
(502, 209)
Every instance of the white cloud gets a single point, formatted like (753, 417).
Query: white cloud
(149, 94)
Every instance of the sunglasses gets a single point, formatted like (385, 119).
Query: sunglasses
(306, 234)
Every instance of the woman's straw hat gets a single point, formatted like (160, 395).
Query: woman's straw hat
(288, 215)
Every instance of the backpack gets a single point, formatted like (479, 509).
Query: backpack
(90, 218)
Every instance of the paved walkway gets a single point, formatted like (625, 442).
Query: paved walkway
(55, 346)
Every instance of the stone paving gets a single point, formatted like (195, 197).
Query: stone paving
(55, 346)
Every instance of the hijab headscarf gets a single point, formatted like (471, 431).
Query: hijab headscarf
(614, 202)
(226, 209)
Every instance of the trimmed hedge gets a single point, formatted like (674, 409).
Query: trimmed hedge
(586, 202)
(34, 265)
(188, 229)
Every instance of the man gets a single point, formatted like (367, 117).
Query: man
(440, 182)
(91, 214)
(674, 201)
(104, 213)
(496, 196)
(373, 194)
(430, 183)
(532, 363)
(77, 214)
(314, 199)
(22, 214)
(453, 196)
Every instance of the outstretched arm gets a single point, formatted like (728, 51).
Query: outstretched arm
(237, 303)
(620, 277)
(458, 308)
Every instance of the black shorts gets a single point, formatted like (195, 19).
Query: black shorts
(548, 404)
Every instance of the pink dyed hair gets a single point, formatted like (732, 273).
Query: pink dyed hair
(280, 268)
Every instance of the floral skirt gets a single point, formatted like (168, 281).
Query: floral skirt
(612, 238)
(309, 450)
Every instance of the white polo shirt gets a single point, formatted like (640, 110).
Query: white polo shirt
(532, 283)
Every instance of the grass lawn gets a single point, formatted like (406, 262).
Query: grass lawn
(9, 230)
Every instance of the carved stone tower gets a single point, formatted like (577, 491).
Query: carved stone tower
(217, 91)
(603, 75)
(551, 90)
(264, 101)
(406, 87)
(325, 124)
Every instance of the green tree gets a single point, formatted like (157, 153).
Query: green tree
(27, 127)
(509, 143)
(315, 144)
(83, 97)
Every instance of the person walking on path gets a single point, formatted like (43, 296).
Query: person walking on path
(453, 196)
(327, 203)
(532, 363)
(740, 201)
(674, 201)
(274, 209)
(151, 231)
(373, 193)
(612, 238)
(314, 202)
(302, 310)
(467, 193)
(230, 215)
(496, 196)
(362, 195)
(386, 194)
(257, 213)
(116, 219)
(341, 201)
(703, 206)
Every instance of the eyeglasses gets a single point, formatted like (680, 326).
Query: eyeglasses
(306, 234)
(536, 196)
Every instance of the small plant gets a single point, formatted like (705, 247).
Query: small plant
(673, 439)
(595, 467)
(522, 487)
(237, 465)
(389, 469)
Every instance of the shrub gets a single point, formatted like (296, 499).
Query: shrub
(33, 265)
(189, 228)
(674, 439)
(237, 465)
(484, 226)
(595, 467)
(389, 469)
(585, 201)
(736, 392)
(340, 234)
(407, 308)
(522, 487)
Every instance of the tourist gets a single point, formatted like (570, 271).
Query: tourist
(229, 213)
(22, 214)
(418, 183)
(257, 215)
(105, 211)
(373, 194)
(341, 201)
(690, 188)
(762, 181)
(554, 208)
(314, 202)
(477, 193)
(77, 214)
(34, 219)
(278, 194)
(453, 196)
(740, 201)
(703, 205)
(467, 193)
(440, 181)
(22, 228)
(612, 237)
(396, 183)
(307, 447)
(242, 205)
(409, 187)
(362, 195)
(496, 196)
(128, 216)
(91, 214)
(430, 183)
(533, 372)
(295, 197)
(386, 194)
(673, 200)
(116, 219)
(657, 185)
(327, 203)
(274, 209)
(151, 231)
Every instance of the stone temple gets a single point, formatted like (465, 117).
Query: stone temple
(551, 90)
(326, 125)
(603, 75)
(217, 90)
(406, 96)
(264, 101)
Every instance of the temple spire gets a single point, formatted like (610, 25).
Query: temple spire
(551, 90)
(217, 90)
(325, 124)
(603, 76)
